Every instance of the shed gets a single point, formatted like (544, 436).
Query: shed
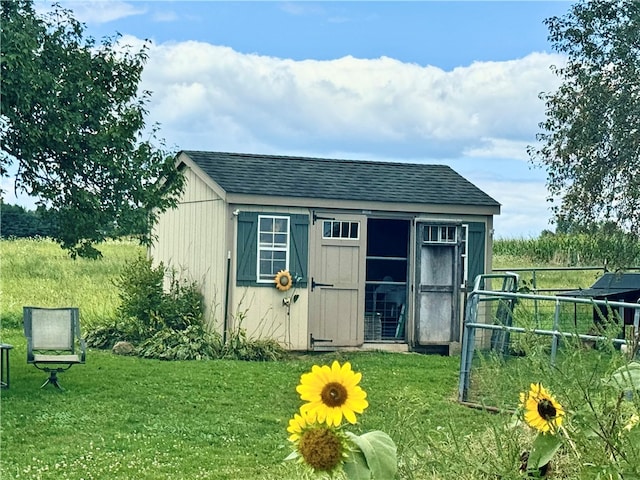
(614, 287)
(380, 252)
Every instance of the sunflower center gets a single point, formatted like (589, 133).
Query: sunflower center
(333, 394)
(321, 449)
(546, 409)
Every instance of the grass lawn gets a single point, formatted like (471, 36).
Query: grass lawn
(125, 417)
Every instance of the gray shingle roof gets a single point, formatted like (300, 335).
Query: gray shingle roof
(334, 179)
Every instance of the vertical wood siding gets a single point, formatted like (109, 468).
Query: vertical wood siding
(191, 240)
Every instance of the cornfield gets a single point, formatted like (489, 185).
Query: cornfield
(613, 251)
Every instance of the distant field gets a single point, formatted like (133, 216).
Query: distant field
(39, 272)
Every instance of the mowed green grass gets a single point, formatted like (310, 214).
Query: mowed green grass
(125, 417)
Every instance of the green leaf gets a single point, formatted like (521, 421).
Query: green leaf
(626, 377)
(542, 450)
(356, 468)
(379, 451)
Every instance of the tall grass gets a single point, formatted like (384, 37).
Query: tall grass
(38, 272)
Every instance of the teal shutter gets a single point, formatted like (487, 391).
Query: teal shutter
(476, 232)
(299, 249)
(247, 248)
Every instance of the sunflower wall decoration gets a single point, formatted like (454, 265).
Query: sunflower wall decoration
(283, 280)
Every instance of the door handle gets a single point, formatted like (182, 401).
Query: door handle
(315, 284)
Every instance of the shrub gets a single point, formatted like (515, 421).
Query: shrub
(170, 325)
(148, 309)
(192, 343)
(105, 336)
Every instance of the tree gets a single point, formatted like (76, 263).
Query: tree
(75, 128)
(590, 140)
(17, 222)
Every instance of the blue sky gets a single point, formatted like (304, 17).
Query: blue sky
(442, 33)
(445, 82)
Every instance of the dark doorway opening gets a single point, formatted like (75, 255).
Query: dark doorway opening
(386, 279)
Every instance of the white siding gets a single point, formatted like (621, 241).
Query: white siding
(191, 239)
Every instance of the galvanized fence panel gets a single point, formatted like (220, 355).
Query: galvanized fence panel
(504, 329)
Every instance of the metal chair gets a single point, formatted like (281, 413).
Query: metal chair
(54, 343)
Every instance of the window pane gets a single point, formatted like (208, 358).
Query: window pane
(326, 229)
(266, 239)
(354, 230)
(281, 225)
(344, 231)
(451, 234)
(280, 240)
(336, 230)
(266, 224)
(265, 268)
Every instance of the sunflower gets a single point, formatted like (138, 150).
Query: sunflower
(297, 424)
(283, 280)
(320, 446)
(541, 410)
(331, 393)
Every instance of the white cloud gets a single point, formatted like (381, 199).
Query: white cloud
(499, 148)
(165, 16)
(214, 98)
(102, 11)
(381, 105)
(525, 210)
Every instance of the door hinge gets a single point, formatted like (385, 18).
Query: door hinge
(315, 284)
(316, 217)
(313, 341)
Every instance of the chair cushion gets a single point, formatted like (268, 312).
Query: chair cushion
(37, 358)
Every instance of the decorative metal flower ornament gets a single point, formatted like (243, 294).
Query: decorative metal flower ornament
(283, 280)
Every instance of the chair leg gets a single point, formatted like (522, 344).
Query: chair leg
(53, 380)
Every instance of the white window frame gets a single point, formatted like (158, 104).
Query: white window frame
(272, 247)
(341, 223)
(441, 234)
(464, 245)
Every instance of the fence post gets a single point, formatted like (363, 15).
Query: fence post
(555, 338)
(468, 345)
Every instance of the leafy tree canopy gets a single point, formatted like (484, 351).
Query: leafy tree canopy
(74, 128)
(590, 140)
